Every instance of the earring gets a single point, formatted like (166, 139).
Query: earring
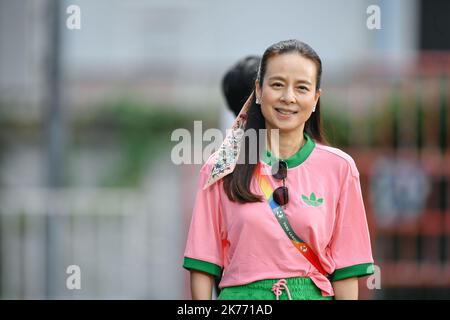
(257, 101)
(314, 109)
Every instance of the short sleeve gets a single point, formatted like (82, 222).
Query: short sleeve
(350, 244)
(204, 250)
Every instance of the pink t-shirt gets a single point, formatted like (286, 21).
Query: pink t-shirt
(246, 242)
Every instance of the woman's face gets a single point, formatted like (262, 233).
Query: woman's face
(288, 94)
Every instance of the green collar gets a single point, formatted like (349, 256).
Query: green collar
(296, 159)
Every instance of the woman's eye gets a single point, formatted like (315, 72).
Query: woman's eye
(303, 88)
(276, 84)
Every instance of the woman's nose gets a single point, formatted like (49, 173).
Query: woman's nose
(288, 96)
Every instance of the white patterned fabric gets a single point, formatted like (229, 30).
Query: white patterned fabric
(228, 153)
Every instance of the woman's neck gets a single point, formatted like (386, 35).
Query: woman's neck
(289, 143)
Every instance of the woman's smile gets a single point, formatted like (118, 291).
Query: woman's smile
(285, 114)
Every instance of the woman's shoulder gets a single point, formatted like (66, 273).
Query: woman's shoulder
(337, 157)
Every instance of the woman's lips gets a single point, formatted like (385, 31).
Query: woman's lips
(284, 114)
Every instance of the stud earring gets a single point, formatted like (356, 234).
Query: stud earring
(314, 109)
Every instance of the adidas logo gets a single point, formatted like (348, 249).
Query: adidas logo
(312, 200)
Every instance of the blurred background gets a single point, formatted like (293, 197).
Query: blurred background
(86, 117)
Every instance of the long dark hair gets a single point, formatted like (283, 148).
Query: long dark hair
(237, 183)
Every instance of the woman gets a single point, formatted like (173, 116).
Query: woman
(292, 225)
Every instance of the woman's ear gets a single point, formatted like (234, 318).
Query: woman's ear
(316, 98)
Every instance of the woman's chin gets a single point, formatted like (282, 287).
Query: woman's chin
(285, 127)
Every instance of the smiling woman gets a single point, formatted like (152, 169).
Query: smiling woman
(293, 225)
(288, 95)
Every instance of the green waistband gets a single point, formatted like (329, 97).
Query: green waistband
(294, 282)
(300, 288)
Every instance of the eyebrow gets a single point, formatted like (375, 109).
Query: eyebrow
(281, 78)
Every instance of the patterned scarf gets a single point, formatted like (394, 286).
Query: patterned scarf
(226, 157)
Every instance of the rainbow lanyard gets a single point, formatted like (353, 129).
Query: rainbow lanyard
(301, 245)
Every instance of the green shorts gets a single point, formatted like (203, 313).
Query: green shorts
(300, 288)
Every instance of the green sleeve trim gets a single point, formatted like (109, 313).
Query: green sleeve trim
(201, 265)
(357, 270)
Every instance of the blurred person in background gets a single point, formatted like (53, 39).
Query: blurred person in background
(237, 84)
(306, 235)
(239, 81)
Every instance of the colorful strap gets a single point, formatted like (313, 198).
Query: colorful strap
(301, 245)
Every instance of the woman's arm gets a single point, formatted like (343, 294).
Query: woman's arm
(346, 289)
(201, 285)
